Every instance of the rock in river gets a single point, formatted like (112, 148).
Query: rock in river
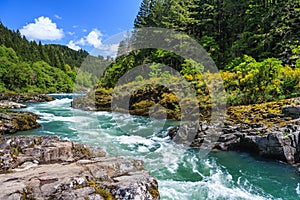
(11, 122)
(49, 168)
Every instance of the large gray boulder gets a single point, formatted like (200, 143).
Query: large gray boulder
(274, 145)
(279, 143)
(48, 168)
(11, 122)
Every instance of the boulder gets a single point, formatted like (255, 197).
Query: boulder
(11, 122)
(49, 168)
(279, 143)
(291, 111)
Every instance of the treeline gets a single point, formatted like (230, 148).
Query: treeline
(230, 28)
(31, 51)
(28, 66)
(254, 43)
(32, 77)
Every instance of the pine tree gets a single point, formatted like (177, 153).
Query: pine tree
(143, 17)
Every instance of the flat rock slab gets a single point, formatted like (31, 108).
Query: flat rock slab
(49, 168)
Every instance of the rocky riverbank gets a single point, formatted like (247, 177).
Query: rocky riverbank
(20, 98)
(11, 105)
(13, 121)
(270, 130)
(49, 168)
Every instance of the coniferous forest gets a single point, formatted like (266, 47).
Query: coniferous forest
(255, 45)
(28, 66)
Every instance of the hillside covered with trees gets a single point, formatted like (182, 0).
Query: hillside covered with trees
(28, 66)
(254, 43)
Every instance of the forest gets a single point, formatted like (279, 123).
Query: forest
(254, 43)
(31, 67)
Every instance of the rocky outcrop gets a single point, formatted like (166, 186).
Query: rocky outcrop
(11, 122)
(14, 97)
(49, 168)
(11, 105)
(274, 145)
(280, 143)
(270, 130)
(153, 100)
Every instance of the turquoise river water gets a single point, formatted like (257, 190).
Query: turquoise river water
(182, 173)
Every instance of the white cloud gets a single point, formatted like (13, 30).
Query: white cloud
(81, 41)
(71, 33)
(57, 17)
(84, 30)
(72, 45)
(109, 50)
(42, 29)
(93, 38)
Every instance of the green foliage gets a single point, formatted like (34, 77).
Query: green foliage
(20, 76)
(139, 78)
(228, 29)
(30, 67)
(211, 46)
(257, 82)
(255, 43)
(155, 70)
(191, 67)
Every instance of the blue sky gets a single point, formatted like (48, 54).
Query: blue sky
(85, 24)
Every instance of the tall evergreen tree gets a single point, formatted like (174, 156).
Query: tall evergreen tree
(143, 17)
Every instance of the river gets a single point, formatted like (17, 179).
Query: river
(182, 173)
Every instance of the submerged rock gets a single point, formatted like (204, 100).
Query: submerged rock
(50, 168)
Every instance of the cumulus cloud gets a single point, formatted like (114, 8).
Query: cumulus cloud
(94, 38)
(82, 42)
(42, 29)
(109, 49)
(73, 46)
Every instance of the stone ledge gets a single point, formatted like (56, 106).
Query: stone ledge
(49, 168)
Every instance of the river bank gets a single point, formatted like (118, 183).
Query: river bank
(49, 168)
(270, 130)
(182, 172)
(14, 121)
